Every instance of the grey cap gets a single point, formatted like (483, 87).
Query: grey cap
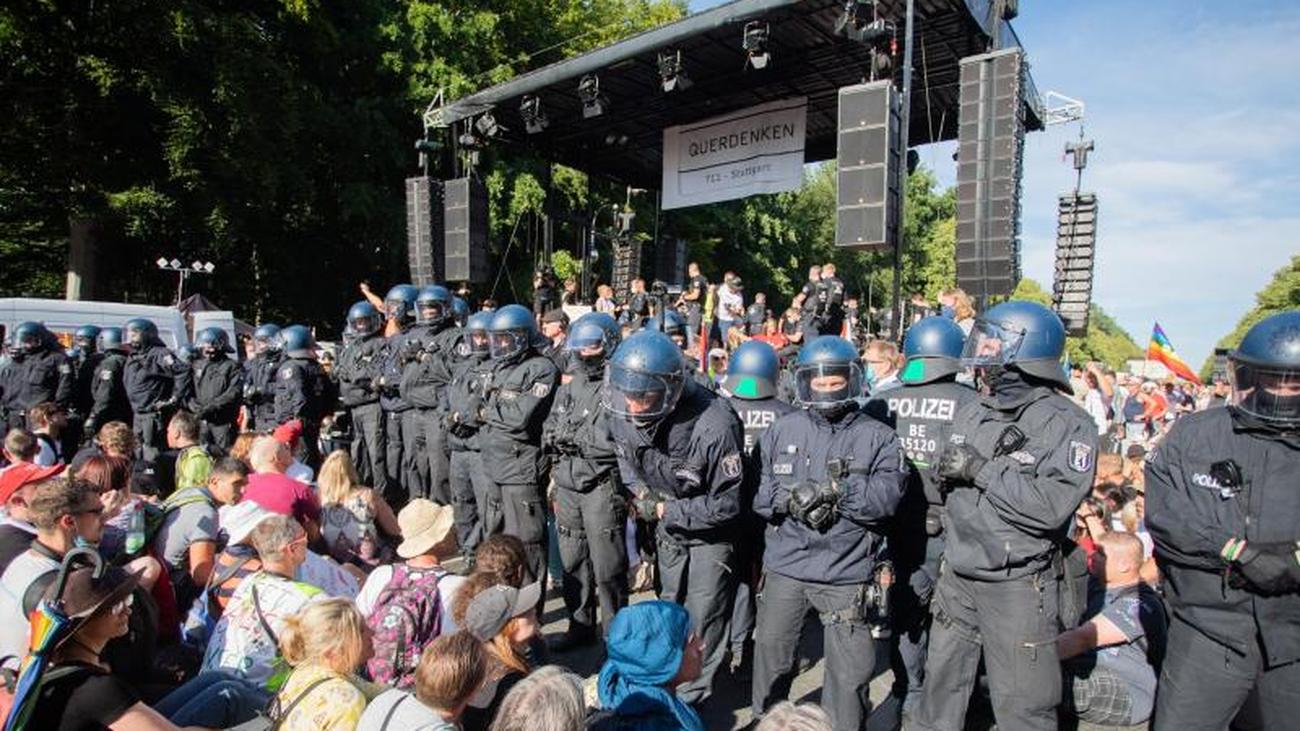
(491, 608)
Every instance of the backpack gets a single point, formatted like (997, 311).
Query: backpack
(406, 617)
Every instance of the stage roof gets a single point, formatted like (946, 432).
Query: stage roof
(808, 59)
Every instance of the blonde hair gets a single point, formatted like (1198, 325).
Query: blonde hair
(329, 633)
(243, 445)
(337, 478)
(963, 306)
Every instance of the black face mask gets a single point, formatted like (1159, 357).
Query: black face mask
(592, 367)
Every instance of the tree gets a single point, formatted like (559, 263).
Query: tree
(1281, 294)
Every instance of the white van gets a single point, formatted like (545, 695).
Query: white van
(63, 317)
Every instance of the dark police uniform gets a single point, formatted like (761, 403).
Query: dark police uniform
(399, 421)
(830, 306)
(829, 570)
(259, 390)
(998, 589)
(218, 387)
(108, 393)
(755, 317)
(151, 378)
(303, 392)
(423, 386)
(698, 287)
(1225, 643)
(590, 512)
(693, 457)
(476, 501)
(358, 376)
(84, 368)
(808, 310)
(922, 416)
(513, 414)
(46, 376)
(11, 381)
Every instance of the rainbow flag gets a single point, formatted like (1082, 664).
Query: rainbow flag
(1159, 349)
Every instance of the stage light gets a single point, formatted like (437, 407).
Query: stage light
(530, 108)
(856, 14)
(593, 102)
(671, 73)
(486, 125)
(754, 43)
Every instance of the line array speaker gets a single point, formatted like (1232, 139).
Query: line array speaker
(868, 162)
(1076, 244)
(424, 233)
(467, 230)
(990, 155)
(627, 264)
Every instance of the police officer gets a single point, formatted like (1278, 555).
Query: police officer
(921, 412)
(830, 302)
(11, 384)
(85, 359)
(750, 385)
(1016, 466)
(523, 387)
(259, 378)
(358, 373)
(46, 371)
(107, 390)
(831, 478)
(476, 502)
(186, 356)
(590, 510)
(218, 387)
(302, 390)
(152, 379)
(399, 420)
(807, 299)
(1224, 511)
(459, 311)
(693, 297)
(424, 385)
(679, 452)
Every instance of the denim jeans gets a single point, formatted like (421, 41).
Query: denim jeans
(214, 699)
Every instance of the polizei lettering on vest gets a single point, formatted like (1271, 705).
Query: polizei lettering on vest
(938, 409)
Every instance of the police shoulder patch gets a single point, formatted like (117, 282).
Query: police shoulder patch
(105, 375)
(167, 360)
(64, 368)
(286, 373)
(463, 350)
(731, 465)
(1080, 456)
(540, 390)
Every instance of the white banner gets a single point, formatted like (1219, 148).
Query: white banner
(754, 150)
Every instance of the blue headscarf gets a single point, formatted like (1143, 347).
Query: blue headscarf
(644, 650)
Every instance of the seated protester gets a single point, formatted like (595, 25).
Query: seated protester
(125, 514)
(409, 604)
(651, 650)
(288, 435)
(242, 446)
(1110, 661)
(275, 491)
(503, 555)
(78, 690)
(550, 699)
(236, 561)
(187, 538)
(246, 640)
(451, 670)
(114, 439)
(786, 716)
(20, 446)
(47, 420)
(504, 619)
(353, 515)
(279, 494)
(325, 644)
(18, 485)
(193, 463)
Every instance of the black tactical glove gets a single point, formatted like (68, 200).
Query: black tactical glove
(826, 511)
(959, 464)
(647, 505)
(1266, 568)
(813, 504)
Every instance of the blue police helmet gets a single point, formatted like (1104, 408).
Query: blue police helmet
(267, 338)
(460, 311)
(399, 303)
(110, 340)
(594, 329)
(363, 318)
(433, 304)
(140, 332)
(477, 326)
(1023, 335)
(30, 337)
(752, 371)
(933, 348)
(212, 340)
(1265, 370)
(645, 378)
(827, 373)
(297, 342)
(85, 336)
(512, 332)
(674, 325)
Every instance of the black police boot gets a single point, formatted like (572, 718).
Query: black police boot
(578, 635)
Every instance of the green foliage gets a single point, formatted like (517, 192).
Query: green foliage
(1104, 342)
(1281, 294)
(566, 265)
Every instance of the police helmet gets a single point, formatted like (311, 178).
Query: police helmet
(363, 319)
(297, 342)
(433, 304)
(752, 371)
(266, 338)
(84, 338)
(592, 331)
(30, 337)
(399, 303)
(933, 348)
(645, 378)
(212, 340)
(1265, 371)
(477, 326)
(140, 332)
(459, 311)
(827, 374)
(512, 332)
(673, 325)
(110, 340)
(1022, 335)
(187, 353)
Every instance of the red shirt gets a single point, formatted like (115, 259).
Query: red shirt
(284, 495)
(777, 340)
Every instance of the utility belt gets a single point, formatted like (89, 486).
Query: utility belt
(871, 604)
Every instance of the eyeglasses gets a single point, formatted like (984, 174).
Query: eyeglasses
(123, 605)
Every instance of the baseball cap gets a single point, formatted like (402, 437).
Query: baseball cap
(25, 473)
(288, 433)
(493, 607)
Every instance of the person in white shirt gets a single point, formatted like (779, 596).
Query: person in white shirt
(427, 537)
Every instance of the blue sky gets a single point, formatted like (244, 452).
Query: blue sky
(1196, 119)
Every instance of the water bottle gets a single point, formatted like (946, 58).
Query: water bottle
(135, 533)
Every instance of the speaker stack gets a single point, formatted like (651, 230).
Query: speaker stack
(466, 218)
(869, 161)
(424, 232)
(1076, 239)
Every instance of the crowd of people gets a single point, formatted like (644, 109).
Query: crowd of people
(367, 540)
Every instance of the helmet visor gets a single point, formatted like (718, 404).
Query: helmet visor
(639, 396)
(507, 343)
(587, 343)
(395, 309)
(1268, 394)
(364, 325)
(479, 343)
(431, 311)
(991, 344)
(827, 384)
